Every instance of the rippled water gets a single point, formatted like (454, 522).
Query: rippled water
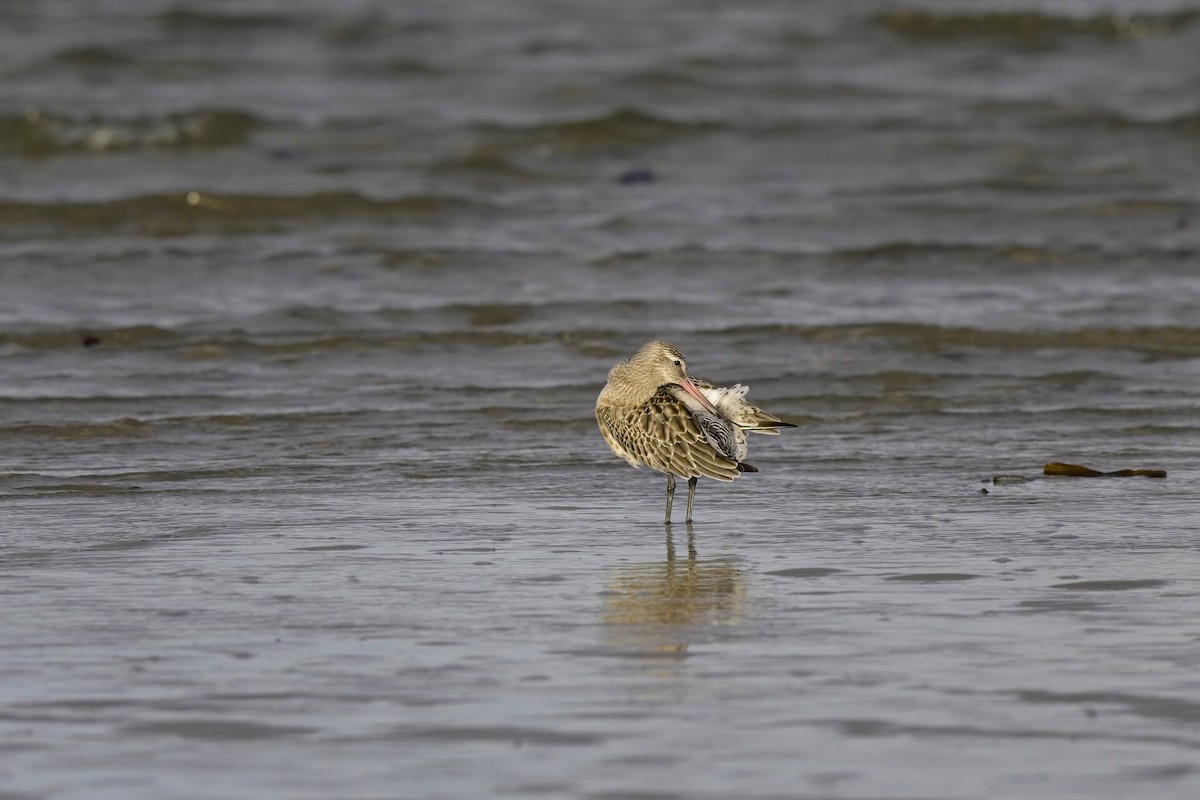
(304, 310)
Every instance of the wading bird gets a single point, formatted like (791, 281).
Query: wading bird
(650, 412)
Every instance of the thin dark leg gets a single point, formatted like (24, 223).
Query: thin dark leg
(691, 496)
(670, 495)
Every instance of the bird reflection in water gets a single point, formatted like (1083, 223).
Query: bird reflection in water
(655, 609)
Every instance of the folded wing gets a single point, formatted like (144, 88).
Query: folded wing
(665, 434)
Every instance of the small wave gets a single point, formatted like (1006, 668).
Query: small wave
(194, 20)
(1168, 340)
(923, 252)
(221, 345)
(1176, 432)
(83, 430)
(185, 213)
(1112, 585)
(405, 67)
(1029, 28)
(373, 26)
(92, 57)
(622, 127)
(549, 424)
(292, 346)
(71, 338)
(1136, 207)
(1186, 123)
(1091, 118)
(482, 160)
(1015, 255)
(214, 730)
(198, 474)
(485, 314)
(39, 134)
(81, 488)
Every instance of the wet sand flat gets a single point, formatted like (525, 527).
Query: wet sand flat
(903, 640)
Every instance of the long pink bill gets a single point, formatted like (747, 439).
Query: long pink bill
(691, 389)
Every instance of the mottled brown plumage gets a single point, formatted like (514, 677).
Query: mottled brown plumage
(650, 412)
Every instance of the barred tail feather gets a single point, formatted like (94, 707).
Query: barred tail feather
(731, 402)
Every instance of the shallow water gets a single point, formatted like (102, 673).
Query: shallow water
(304, 312)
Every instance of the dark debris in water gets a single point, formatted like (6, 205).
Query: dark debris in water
(1056, 468)
(633, 176)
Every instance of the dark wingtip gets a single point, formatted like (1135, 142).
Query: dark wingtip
(744, 467)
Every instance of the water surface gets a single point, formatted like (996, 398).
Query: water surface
(305, 309)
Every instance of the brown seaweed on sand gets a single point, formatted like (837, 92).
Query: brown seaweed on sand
(1057, 469)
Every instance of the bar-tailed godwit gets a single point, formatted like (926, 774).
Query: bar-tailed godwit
(650, 412)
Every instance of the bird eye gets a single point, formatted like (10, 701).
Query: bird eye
(678, 363)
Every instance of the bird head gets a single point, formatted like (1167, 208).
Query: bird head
(656, 364)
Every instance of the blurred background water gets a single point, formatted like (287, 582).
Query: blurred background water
(304, 307)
